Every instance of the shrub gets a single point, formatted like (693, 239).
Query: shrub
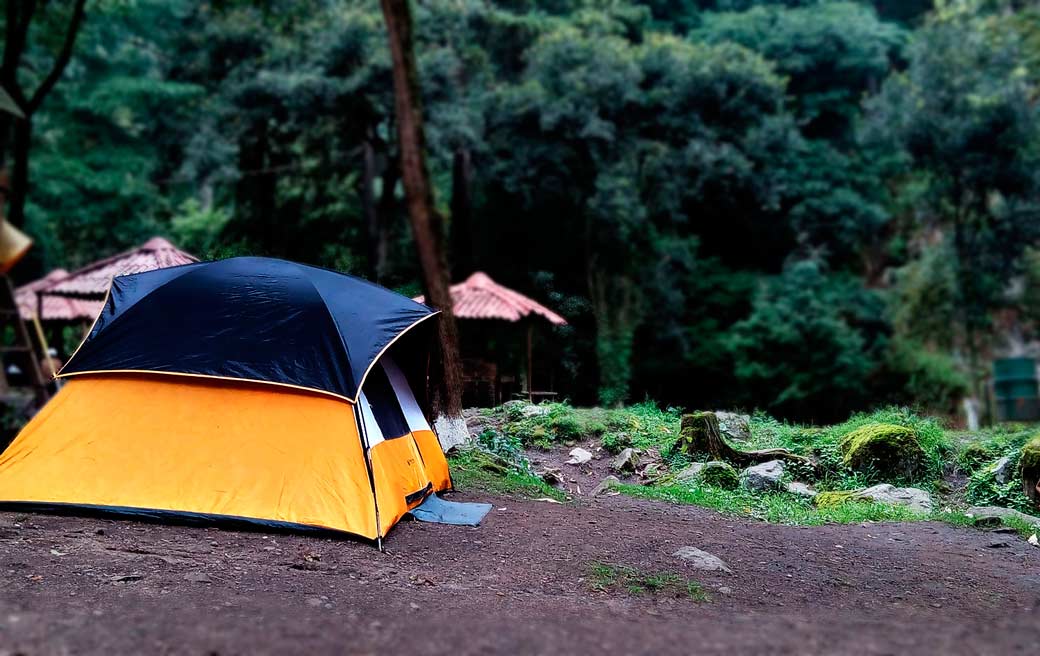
(616, 442)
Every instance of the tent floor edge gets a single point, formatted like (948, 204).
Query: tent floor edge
(182, 518)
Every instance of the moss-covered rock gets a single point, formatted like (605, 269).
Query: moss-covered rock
(719, 474)
(1029, 469)
(911, 497)
(883, 451)
(836, 498)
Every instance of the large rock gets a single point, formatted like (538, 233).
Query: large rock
(1029, 468)
(766, 476)
(883, 450)
(626, 461)
(702, 560)
(984, 515)
(911, 497)
(735, 426)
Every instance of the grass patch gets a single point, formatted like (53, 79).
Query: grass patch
(475, 470)
(642, 426)
(604, 577)
(778, 508)
(824, 445)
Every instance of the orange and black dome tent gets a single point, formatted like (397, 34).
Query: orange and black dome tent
(245, 389)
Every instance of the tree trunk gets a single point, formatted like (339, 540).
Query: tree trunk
(19, 171)
(461, 215)
(18, 18)
(427, 224)
(699, 435)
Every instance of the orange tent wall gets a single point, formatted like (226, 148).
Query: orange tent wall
(240, 450)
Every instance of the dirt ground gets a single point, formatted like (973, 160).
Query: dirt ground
(515, 585)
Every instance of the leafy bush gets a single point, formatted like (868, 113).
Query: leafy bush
(984, 490)
(504, 446)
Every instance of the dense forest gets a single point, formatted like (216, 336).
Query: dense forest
(808, 207)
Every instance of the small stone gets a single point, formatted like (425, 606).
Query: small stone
(702, 560)
(579, 456)
(1002, 470)
(725, 589)
(198, 577)
(765, 476)
(552, 476)
(605, 485)
(626, 461)
(315, 602)
(801, 489)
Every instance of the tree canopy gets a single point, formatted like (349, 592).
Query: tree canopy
(807, 206)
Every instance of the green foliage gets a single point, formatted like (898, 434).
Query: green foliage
(1022, 448)
(806, 207)
(802, 352)
(643, 425)
(604, 577)
(476, 470)
(1003, 440)
(506, 447)
(825, 445)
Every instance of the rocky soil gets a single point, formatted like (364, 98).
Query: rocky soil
(516, 585)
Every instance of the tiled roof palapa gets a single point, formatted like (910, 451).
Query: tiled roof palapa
(93, 280)
(55, 308)
(480, 297)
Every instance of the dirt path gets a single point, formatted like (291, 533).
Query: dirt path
(514, 585)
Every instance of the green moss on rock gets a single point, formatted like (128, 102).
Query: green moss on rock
(836, 498)
(883, 451)
(719, 474)
(1029, 468)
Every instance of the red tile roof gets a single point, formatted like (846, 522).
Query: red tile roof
(480, 297)
(93, 280)
(55, 308)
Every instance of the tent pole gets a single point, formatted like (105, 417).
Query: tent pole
(530, 376)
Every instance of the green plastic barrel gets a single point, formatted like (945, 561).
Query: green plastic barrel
(1015, 389)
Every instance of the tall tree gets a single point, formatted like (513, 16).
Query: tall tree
(427, 223)
(18, 19)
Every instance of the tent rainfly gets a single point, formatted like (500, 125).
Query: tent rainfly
(248, 389)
